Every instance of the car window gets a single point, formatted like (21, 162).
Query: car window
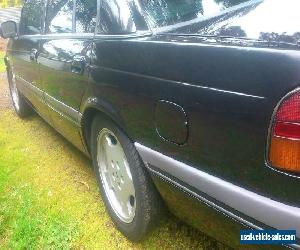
(32, 17)
(86, 12)
(59, 16)
(168, 12)
(115, 17)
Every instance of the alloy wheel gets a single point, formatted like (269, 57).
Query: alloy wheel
(116, 176)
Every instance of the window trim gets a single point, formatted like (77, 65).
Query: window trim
(124, 36)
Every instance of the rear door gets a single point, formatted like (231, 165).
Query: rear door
(64, 61)
(24, 55)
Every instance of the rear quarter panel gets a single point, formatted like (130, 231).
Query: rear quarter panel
(227, 92)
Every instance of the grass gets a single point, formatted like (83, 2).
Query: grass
(26, 220)
(2, 65)
(7, 3)
(49, 198)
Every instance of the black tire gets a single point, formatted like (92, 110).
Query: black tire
(21, 107)
(149, 206)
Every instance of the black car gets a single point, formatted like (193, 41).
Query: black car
(193, 104)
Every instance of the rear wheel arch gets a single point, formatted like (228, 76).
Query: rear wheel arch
(87, 119)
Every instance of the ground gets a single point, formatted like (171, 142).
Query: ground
(49, 198)
(2, 49)
(3, 44)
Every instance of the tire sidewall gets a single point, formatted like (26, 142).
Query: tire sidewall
(24, 109)
(10, 79)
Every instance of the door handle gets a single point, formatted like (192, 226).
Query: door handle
(78, 64)
(34, 55)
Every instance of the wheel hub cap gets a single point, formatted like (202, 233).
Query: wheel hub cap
(116, 175)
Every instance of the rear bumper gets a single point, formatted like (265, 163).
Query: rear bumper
(243, 206)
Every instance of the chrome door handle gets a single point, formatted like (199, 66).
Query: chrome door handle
(34, 55)
(78, 64)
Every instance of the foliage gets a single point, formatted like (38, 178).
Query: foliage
(10, 3)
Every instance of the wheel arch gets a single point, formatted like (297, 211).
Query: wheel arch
(94, 106)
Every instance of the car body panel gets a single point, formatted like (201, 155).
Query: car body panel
(226, 96)
(220, 86)
(64, 66)
(27, 71)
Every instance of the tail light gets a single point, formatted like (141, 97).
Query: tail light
(284, 149)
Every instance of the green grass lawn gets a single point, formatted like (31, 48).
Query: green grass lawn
(49, 198)
(2, 65)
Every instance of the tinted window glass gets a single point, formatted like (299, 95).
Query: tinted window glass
(32, 17)
(59, 16)
(115, 17)
(168, 12)
(86, 12)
